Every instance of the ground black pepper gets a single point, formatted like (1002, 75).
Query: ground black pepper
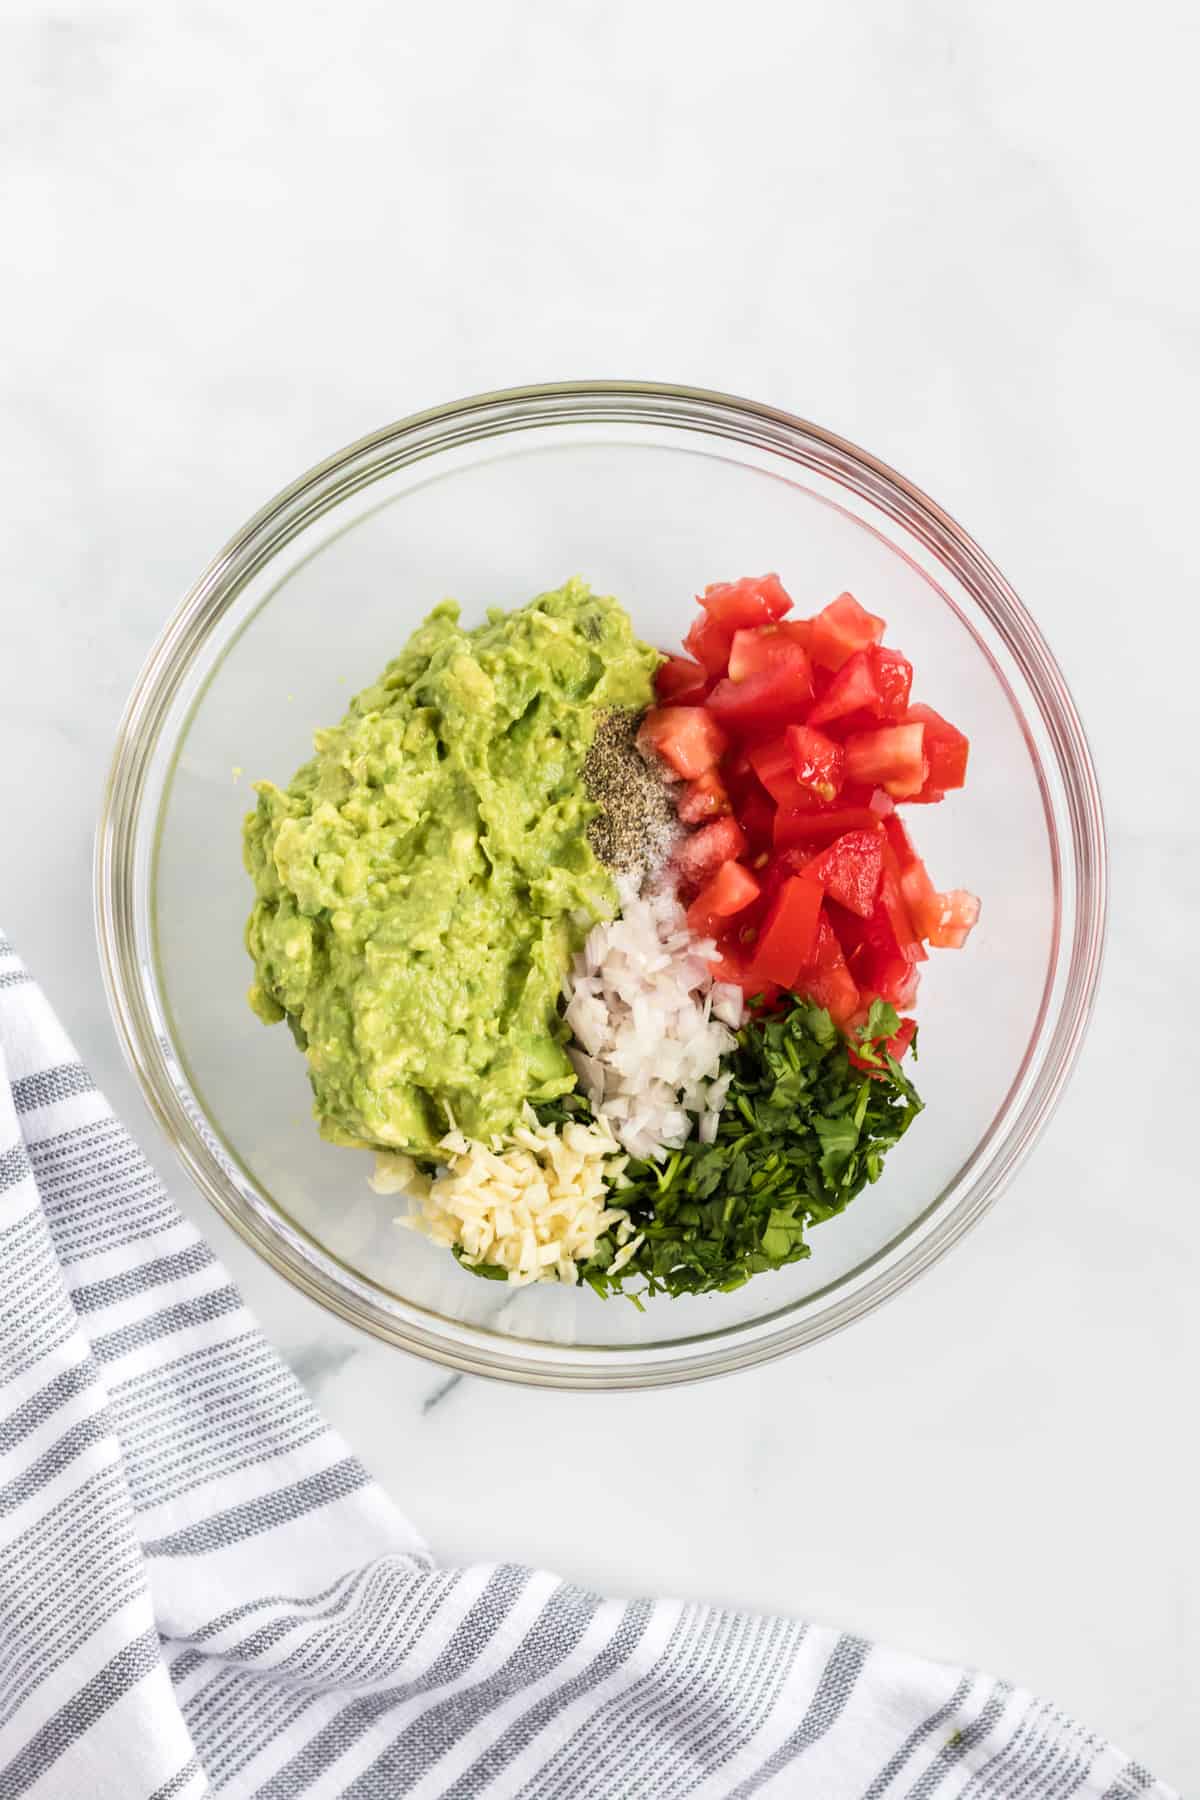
(636, 825)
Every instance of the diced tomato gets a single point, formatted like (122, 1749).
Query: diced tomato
(893, 757)
(920, 897)
(851, 691)
(801, 825)
(842, 628)
(902, 990)
(957, 916)
(686, 737)
(773, 696)
(827, 980)
(727, 965)
(737, 772)
(758, 649)
(898, 981)
(893, 681)
(702, 799)
(709, 641)
(680, 682)
(733, 964)
(851, 870)
(787, 937)
(729, 607)
(896, 1046)
(702, 852)
(817, 762)
(872, 956)
(880, 948)
(730, 891)
(862, 793)
(756, 816)
(751, 651)
(946, 752)
(900, 921)
(944, 920)
(754, 600)
(771, 760)
(794, 740)
(898, 838)
(772, 870)
(798, 630)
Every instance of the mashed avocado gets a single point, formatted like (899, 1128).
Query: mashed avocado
(422, 882)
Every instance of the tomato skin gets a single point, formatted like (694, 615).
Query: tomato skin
(754, 600)
(852, 691)
(946, 751)
(731, 890)
(787, 938)
(892, 756)
(818, 763)
(842, 628)
(775, 694)
(703, 799)
(680, 682)
(686, 737)
(702, 852)
(851, 871)
(801, 825)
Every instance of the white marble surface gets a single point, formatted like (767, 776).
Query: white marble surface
(964, 235)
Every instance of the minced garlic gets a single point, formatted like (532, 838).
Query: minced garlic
(533, 1204)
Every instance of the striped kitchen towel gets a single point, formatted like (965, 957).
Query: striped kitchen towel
(203, 1592)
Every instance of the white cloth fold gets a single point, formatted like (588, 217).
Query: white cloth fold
(202, 1591)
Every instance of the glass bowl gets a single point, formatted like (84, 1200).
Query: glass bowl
(648, 492)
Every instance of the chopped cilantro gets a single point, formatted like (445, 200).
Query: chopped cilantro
(802, 1132)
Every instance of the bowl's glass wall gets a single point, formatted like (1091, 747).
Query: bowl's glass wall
(651, 526)
(648, 494)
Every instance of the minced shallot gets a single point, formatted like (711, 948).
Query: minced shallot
(650, 1025)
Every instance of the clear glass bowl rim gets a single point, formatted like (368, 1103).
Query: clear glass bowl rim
(463, 1348)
